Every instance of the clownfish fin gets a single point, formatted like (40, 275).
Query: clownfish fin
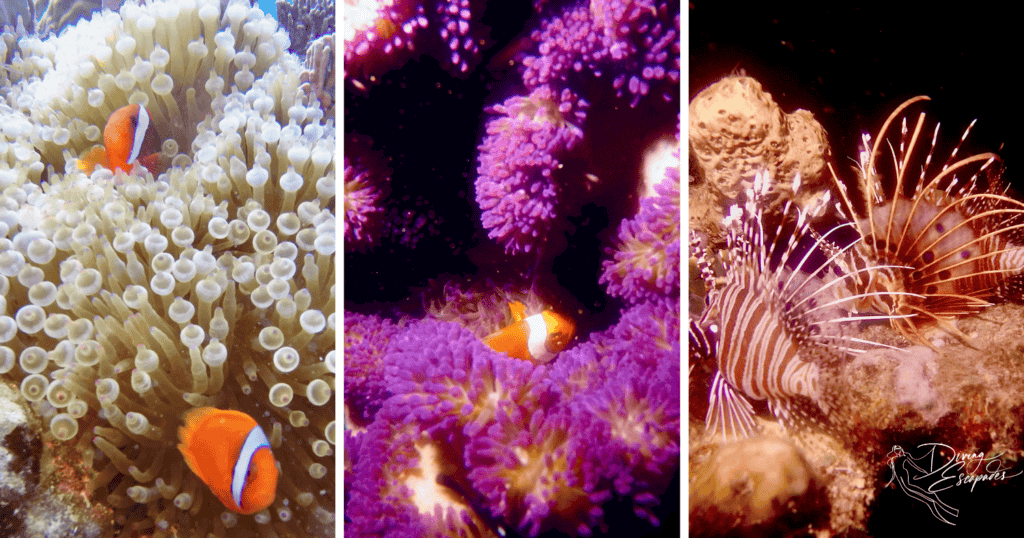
(154, 163)
(187, 432)
(130, 136)
(518, 310)
(95, 156)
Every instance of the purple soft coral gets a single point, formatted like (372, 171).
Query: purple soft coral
(398, 487)
(645, 262)
(637, 42)
(380, 36)
(447, 380)
(364, 208)
(456, 16)
(515, 188)
(537, 469)
(366, 338)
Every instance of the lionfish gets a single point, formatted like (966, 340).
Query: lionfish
(947, 241)
(779, 323)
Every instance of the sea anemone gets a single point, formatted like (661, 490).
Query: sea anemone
(513, 429)
(449, 380)
(482, 306)
(611, 389)
(536, 470)
(638, 400)
(402, 487)
(138, 298)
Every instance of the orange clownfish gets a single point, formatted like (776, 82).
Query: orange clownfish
(129, 136)
(230, 453)
(539, 337)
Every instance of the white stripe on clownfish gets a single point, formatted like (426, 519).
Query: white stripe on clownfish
(538, 337)
(139, 136)
(253, 442)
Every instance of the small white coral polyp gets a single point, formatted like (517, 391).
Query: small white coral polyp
(134, 299)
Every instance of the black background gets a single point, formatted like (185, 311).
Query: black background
(852, 65)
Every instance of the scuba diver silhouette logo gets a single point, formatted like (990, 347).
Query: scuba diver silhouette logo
(917, 477)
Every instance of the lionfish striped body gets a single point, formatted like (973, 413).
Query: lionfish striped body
(778, 324)
(948, 236)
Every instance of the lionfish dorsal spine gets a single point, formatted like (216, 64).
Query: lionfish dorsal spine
(939, 238)
(703, 264)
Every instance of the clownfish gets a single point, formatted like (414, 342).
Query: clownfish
(229, 452)
(539, 337)
(129, 136)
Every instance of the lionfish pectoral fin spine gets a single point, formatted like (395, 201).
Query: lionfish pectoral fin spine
(944, 324)
(801, 413)
(729, 412)
(951, 328)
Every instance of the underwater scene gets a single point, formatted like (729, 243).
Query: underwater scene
(167, 274)
(512, 268)
(856, 273)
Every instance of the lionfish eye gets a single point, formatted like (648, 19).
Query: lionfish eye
(928, 257)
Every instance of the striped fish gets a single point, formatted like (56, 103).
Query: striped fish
(778, 323)
(953, 235)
